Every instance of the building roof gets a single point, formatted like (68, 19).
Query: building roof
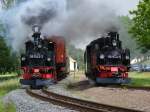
(71, 59)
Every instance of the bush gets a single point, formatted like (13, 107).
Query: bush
(8, 60)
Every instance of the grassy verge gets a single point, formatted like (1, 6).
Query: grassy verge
(145, 62)
(5, 87)
(140, 79)
(8, 75)
(4, 77)
(10, 107)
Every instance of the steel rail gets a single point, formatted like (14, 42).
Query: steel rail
(76, 104)
(70, 105)
(107, 108)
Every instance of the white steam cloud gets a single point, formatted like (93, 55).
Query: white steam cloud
(19, 19)
(79, 21)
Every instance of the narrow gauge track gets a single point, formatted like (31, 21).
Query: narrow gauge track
(74, 103)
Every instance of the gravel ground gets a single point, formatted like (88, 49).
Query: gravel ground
(61, 87)
(135, 99)
(25, 103)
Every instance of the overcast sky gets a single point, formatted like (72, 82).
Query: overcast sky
(122, 7)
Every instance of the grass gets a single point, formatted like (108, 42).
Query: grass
(8, 75)
(10, 107)
(146, 62)
(5, 87)
(4, 77)
(140, 79)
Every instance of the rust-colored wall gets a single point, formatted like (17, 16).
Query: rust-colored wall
(60, 48)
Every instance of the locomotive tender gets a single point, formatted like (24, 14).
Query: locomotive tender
(44, 61)
(106, 62)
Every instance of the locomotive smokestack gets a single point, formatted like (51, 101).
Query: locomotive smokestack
(114, 34)
(37, 35)
(36, 31)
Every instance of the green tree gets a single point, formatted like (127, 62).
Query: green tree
(140, 28)
(8, 3)
(8, 60)
(126, 38)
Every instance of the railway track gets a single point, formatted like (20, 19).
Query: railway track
(74, 103)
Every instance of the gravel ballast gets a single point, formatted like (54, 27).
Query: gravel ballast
(25, 103)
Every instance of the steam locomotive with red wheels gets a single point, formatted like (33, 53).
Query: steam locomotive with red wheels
(106, 62)
(44, 61)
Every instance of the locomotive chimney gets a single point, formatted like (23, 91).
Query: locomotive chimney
(36, 31)
(114, 35)
(36, 35)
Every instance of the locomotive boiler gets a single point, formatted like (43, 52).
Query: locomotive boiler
(106, 62)
(44, 61)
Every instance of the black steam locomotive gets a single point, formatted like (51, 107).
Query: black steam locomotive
(44, 60)
(39, 51)
(106, 62)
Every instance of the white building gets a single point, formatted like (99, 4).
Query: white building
(73, 65)
(134, 61)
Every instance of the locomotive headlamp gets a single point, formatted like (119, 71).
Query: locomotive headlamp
(48, 59)
(102, 56)
(114, 43)
(23, 58)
